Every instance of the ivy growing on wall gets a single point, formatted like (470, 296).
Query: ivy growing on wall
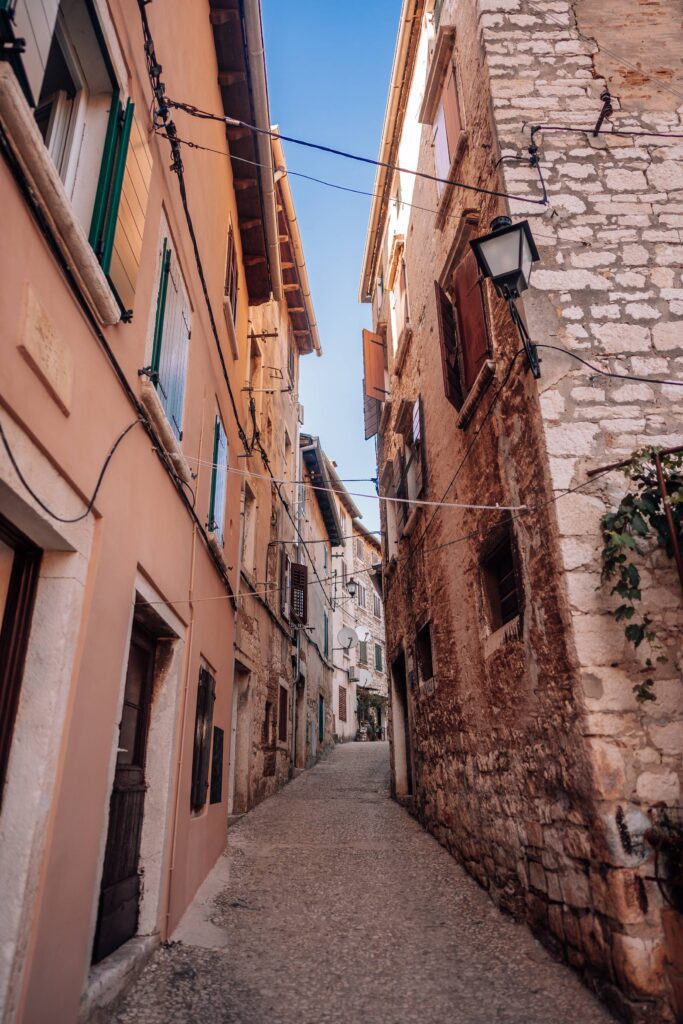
(640, 518)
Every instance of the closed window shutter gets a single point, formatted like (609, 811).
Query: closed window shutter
(231, 274)
(284, 584)
(399, 492)
(326, 634)
(451, 109)
(201, 755)
(448, 340)
(342, 704)
(373, 365)
(378, 658)
(172, 339)
(282, 715)
(363, 652)
(471, 319)
(219, 480)
(299, 592)
(372, 409)
(34, 21)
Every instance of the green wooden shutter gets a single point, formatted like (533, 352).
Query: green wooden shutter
(219, 481)
(161, 305)
(108, 196)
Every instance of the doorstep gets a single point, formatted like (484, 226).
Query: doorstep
(112, 977)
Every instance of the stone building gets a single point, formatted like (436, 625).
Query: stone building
(279, 333)
(371, 664)
(126, 347)
(516, 732)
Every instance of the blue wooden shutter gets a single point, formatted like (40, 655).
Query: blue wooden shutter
(174, 335)
(219, 481)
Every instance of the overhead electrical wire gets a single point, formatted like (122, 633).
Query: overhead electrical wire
(39, 501)
(154, 69)
(619, 132)
(194, 111)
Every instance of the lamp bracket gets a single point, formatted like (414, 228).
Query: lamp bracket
(529, 347)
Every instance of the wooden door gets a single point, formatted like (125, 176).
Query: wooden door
(117, 919)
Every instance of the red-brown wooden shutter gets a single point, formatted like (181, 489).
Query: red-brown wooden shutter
(451, 110)
(299, 592)
(399, 492)
(373, 363)
(471, 318)
(448, 340)
(282, 716)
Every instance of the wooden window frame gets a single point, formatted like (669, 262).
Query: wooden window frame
(379, 663)
(282, 714)
(490, 570)
(342, 704)
(231, 284)
(15, 630)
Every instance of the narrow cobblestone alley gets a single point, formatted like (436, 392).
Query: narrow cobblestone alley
(332, 904)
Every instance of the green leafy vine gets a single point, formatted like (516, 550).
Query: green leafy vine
(641, 516)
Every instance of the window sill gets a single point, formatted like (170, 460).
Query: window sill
(232, 332)
(27, 144)
(447, 194)
(385, 416)
(217, 548)
(484, 378)
(511, 631)
(411, 521)
(155, 409)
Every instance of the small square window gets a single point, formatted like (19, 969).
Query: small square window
(500, 581)
(423, 644)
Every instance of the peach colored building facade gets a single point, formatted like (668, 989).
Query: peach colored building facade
(117, 641)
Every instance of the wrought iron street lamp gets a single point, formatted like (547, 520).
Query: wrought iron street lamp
(506, 256)
(351, 587)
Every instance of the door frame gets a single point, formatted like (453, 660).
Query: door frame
(162, 739)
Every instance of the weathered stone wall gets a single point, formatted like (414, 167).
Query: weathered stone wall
(532, 762)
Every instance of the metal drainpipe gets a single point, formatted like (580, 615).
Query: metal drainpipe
(254, 30)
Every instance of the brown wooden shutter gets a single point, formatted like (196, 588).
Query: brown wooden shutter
(284, 584)
(448, 339)
(372, 410)
(206, 695)
(399, 492)
(373, 364)
(299, 593)
(130, 224)
(471, 319)
(282, 716)
(451, 110)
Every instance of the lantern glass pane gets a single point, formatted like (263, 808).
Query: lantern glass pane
(501, 252)
(527, 258)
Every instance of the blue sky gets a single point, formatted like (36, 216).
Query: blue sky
(328, 76)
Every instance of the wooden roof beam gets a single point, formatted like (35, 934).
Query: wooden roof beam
(252, 222)
(222, 15)
(291, 287)
(231, 77)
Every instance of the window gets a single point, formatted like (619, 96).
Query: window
(201, 755)
(378, 657)
(359, 549)
(423, 644)
(360, 595)
(409, 466)
(342, 703)
(463, 332)
(248, 529)
(377, 610)
(19, 565)
(363, 652)
(299, 593)
(291, 361)
(216, 792)
(500, 581)
(325, 558)
(284, 583)
(400, 307)
(89, 130)
(231, 280)
(171, 339)
(219, 481)
(267, 727)
(282, 715)
(446, 129)
(326, 635)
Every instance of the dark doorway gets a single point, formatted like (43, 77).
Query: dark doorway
(19, 565)
(117, 918)
(403, 767)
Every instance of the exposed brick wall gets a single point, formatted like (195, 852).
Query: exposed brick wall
(532, 762)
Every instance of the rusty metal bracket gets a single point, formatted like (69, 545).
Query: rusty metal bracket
(607, 110)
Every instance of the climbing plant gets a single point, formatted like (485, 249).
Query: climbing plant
(641, 517)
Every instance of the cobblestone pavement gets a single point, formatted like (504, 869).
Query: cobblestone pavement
(332, 904)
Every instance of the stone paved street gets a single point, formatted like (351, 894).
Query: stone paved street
(332, 904)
